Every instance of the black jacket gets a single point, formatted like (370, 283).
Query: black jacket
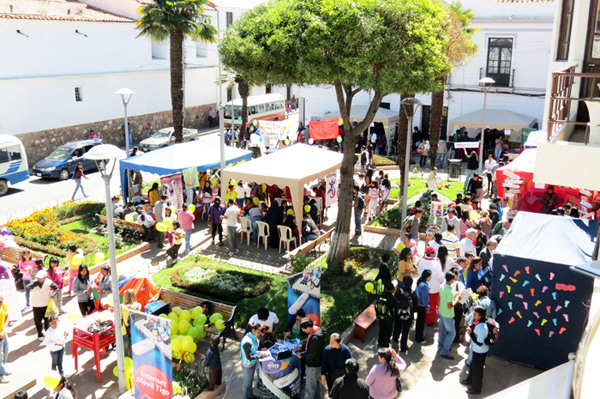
(350, 387)
(314, 348)
(384, 273)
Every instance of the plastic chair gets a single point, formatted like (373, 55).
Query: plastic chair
(246, 229)
(285, 235)
(263, 231)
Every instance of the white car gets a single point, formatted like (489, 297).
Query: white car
(164, 137)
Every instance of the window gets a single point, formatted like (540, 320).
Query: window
(499, 60)
(564, 35)
(268, 88)
(228, 19)
(78, 94)
(15, 152)
(4, 155)
(229, 94)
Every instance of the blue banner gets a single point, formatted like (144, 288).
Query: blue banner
(151, 349)
(304, 292)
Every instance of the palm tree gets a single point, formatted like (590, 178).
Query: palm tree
(459, 50)
(175, 20)
(230, 79)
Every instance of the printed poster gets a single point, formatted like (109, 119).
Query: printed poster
(331, 195)
(190, 176)
(172, 186)
(9, 292)
(304, 292)
(151, 351)
(324, 130)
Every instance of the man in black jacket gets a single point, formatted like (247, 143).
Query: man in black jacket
(350, 386)
(384, 270)
(386, 308)
(313, 355)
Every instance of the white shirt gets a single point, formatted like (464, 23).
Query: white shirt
(241, 191)
(232, 214)
(267, 324)
(490, 165)
(433, 244)
(437, 276)
(40, 296)
(451, 242)
(53, 336)
(465, 245)
(373, 137)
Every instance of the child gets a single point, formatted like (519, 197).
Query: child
(27, 267)
(55, 340)
(213, 361)
(178, 235)
(423, 301)
(55, 274)
(73, 269)
(40, 265)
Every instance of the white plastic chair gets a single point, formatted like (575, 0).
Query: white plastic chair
(285, 235)
(263, 231)
(246, 228)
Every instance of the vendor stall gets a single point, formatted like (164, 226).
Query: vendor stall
(542, 304)
(500, 119)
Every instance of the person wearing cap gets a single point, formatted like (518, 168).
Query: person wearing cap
(3, 342)
(55, 340)
(350, 386)
(103, 284)
(230, 217)
(42, 290)
(186, 219)
(430, 262)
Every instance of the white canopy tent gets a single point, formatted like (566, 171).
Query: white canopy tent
(383, 115)
(293, 167)
(494, 119)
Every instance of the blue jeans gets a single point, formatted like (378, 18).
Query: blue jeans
(357, 221)
(27, 292)
(240, 202)
(57, 360)
(313, 383)
(469, 174)
(446, 334)
(188, 237)
(3, 354)
(309, 237)
(254, 228)
(248, 380)
(231, 237)
(77, 187)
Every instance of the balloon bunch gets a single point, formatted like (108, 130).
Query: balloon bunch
(187, 329)
(128, 372)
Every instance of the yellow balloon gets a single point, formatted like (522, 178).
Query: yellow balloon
(183, 326)
(197, 311)
(177, 310)
(255, 200)
(264, 187)
(369, 287)
(128, 363)
(174, 328)
(73, 317)
(175, 345)
(161, 227)
(51, 380)
(128, 218)
(176, 388)
(176, 354)
(219, 325)
(185, 315)
(400, 247)
(189, 358)
(340, 121)
(110, 300)
(77, 260)
(191, 207)
(99, 257)
(306, 208)
(474, 215)
(202, 334)
(168, 223)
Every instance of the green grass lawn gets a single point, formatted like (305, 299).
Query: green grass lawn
(83, 226)
(419, 185)
(339, 307)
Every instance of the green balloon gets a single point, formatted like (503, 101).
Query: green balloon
(200, 320)
(254, 123)
(216, 316)
(185, 315)
(193, 332)
(196, 312)
(183, 326)
(339, 139)
(177, 310)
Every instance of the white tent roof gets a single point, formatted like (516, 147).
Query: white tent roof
(293, 167)
(358, 112)
(494, 119)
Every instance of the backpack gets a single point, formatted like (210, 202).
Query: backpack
(383, 309)
(361, 202)
(493, 331)
(405, 311)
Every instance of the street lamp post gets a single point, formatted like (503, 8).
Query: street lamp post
(221, 115)
(406, 102)
(126, 96)
(486, 83)
(103, 154)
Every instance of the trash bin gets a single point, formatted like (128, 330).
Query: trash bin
(454, 169)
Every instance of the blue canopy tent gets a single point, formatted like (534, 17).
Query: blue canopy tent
(543, 304)
(179, 157)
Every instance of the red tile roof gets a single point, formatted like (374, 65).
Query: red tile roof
(87, 14)
(207, 7)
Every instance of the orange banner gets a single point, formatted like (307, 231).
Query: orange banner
(324, 130)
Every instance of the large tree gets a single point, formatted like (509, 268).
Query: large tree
(390, 46)
(230, 79)
(175, 20)
(460, 49)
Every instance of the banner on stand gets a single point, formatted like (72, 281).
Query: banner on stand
(324, 130)
(331, 195)
(274, 130)
(304, 292)
(172, 187)
(151, 349)
(466, 144)
(9, 292)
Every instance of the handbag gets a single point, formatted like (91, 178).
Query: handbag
(398, 384)
(209, 218)
(51, 309)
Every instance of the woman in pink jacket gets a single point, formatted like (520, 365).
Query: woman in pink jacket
(26, 266)
(382, 378)
(186, 219)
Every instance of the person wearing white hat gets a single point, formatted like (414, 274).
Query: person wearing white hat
(42, 289)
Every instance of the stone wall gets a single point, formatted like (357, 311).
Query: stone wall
(39, 145)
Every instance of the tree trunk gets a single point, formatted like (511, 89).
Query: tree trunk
(402, 137)
(435, 121)
(176, 53)
(244, 90)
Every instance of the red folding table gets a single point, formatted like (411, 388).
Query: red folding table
(94, 341)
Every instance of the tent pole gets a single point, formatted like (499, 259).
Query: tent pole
(221, 114)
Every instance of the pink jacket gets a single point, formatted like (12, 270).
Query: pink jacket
(186, 218)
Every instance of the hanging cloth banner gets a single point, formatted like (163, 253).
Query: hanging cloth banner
(274, 130)
(172, 187)
(466, 144)
(190, 176)
(324, 130)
